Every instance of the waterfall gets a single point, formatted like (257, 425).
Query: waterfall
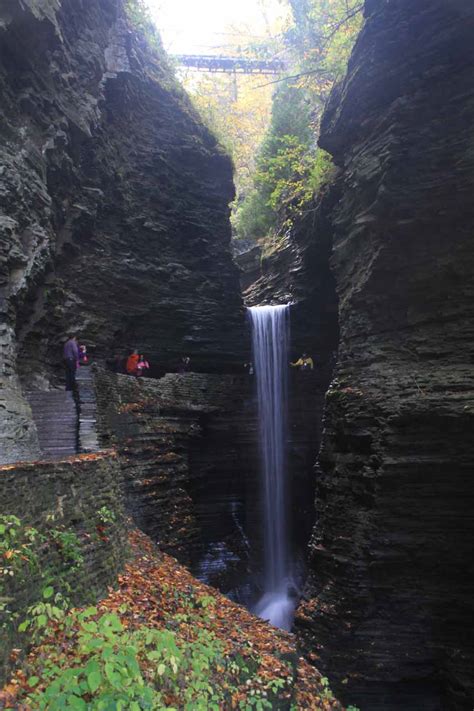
(270, 336)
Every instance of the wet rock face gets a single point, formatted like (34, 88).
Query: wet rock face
(113, 199)
(389, 605)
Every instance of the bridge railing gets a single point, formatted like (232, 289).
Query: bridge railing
(226, 64)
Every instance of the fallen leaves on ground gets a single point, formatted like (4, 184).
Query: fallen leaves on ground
(155, 590)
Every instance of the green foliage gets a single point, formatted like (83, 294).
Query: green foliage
(69, 547)
(322, 35)
(105, 515)
(140, 19)
(52, 608)
(253, 218)
(112, 667)
(326, 693)
(18, 550)
(139, 16)
(30, 563)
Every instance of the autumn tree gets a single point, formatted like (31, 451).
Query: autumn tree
(238, 112)
(290, 167)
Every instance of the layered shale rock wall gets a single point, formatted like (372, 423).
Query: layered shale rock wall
(389, 604)
(76, 507)
(114, 205)
(186, 446)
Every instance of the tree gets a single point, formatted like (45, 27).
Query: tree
(290, 167)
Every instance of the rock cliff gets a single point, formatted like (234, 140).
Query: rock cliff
(388, 606)
(114, 204)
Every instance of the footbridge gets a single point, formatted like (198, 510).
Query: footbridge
(230, 65)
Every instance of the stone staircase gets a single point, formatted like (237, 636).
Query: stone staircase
(65, 425)
(87, 440)
(55, 416)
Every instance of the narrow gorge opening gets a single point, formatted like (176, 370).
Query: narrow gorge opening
(269, 209)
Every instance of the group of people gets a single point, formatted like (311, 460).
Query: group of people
(136, 364)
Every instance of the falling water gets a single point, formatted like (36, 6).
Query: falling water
(270, 335)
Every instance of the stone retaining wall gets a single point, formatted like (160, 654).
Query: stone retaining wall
(64, 496)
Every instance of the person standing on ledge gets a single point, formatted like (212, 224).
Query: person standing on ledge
(185, 365)
(305, 362)
(142, 366)
(71, 359)
(132, 363)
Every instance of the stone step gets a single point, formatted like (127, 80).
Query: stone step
(65, 428)
(55, 415)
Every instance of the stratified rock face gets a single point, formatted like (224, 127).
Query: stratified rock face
(113, 199)
(389, 604)
(189, 454)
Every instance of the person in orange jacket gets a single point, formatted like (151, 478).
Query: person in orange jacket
(132, 363)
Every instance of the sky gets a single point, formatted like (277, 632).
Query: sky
(205, 26)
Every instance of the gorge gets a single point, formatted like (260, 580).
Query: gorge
(114, 224)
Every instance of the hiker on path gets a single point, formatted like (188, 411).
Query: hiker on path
(71, 358)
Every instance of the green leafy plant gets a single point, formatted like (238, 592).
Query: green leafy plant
(326, 693)
(108, 671)
(17, 546)
(51, 608)
(31, 562)
(106, 516)
(140, 18)
(69, 547)
(109, 666)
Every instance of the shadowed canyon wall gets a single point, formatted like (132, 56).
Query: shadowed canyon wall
(189, 455)
(114, 205)
(388, 605)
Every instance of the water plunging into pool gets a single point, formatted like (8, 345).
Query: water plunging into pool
(270, 336)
